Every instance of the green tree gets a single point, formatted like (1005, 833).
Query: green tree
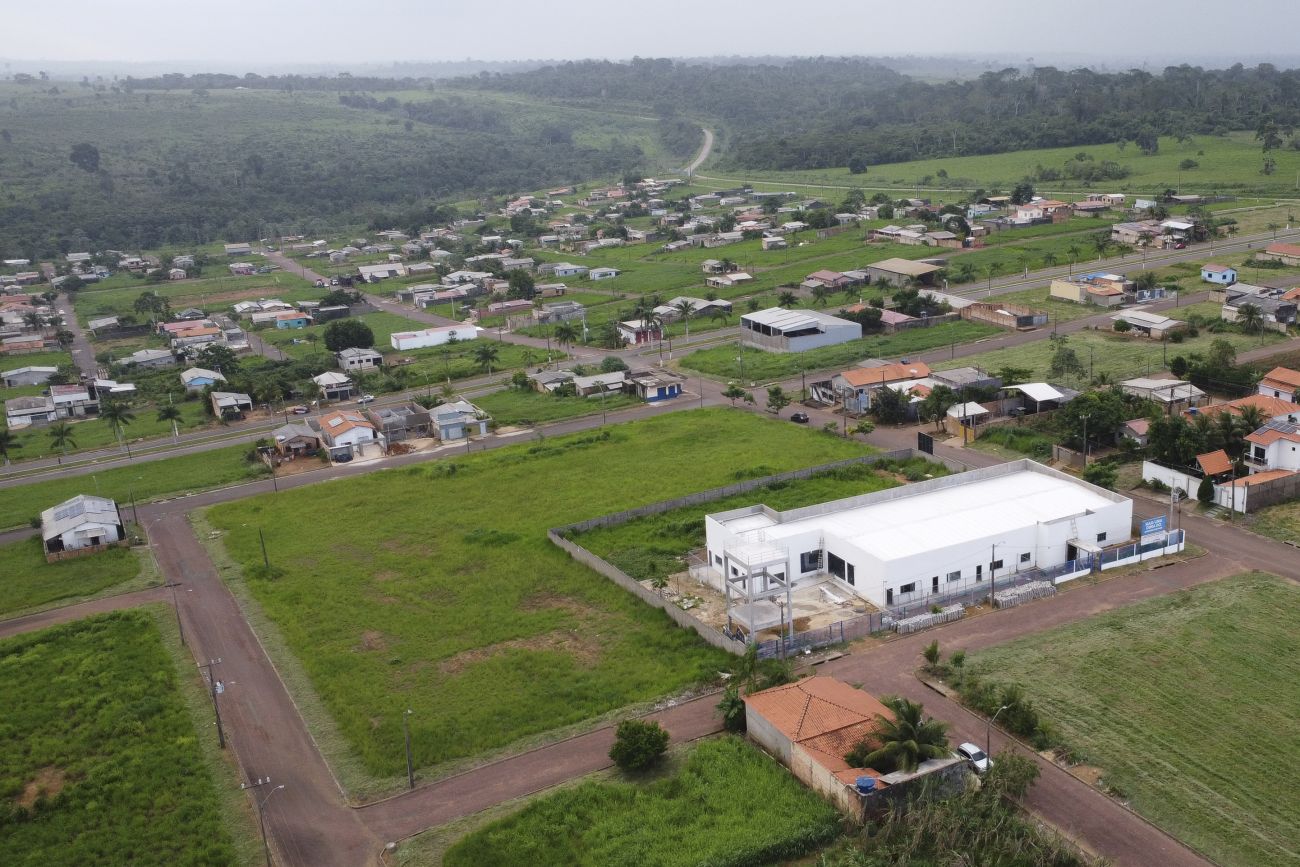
(172, 413)
(1065, 361)
(485, 354)
(61, 437)
(903, 742)
(821, 295)
(1250, 318)
(155, 306)
(8, 444)
(931, 654)
(732, 709)
(1103, 474)
(638, 744)
(341, 334)
(522, 285)
(777, 399)
(218, 357)
(786, 298)
(685, 309)
(936, 404)
(1010, 375)
(566, 334)
(118, 414)
(85, 156)
(1205, 491)
(733, 392)
(889, 406)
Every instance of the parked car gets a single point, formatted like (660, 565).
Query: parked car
(1180, 246)
(343, 458)
(366, 398)
(978, 759)
(299, 410)
(799, 418)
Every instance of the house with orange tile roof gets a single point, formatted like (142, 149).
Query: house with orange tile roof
(1273, 408)
(1287, 254)
(853, 389)
(1282, 383)
(348, 432)
(812, 724)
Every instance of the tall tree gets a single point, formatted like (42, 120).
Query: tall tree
(903, 742)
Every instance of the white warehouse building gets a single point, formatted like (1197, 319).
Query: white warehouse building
(779, 330)
(922, 540)
(408, 340)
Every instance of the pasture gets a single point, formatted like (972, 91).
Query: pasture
(690, 816)
(512, 406)
(1147, 694)
(101, 762)
(455, 605)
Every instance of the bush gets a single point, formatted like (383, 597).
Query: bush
(732, 710)
(638, 744)
(1205, 491)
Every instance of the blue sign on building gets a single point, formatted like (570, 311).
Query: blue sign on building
(1151, 526)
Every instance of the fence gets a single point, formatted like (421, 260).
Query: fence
(823, 636)
(1136, 552)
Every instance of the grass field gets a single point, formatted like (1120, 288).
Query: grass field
(514, 407)
(100, 762)
(760, 366)
(691, 817)
(1119, 356)
(1150, 693)
(215, 293)
(148, 480)
(472, 619)
(297, 342)
(1226, 163)
(29, 582)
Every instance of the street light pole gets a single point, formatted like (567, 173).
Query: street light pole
(410, 764)
(988, 731)
(261, 818)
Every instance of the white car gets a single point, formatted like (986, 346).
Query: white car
(976, 756)
(366, 398)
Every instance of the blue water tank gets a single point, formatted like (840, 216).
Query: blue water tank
(866, 784)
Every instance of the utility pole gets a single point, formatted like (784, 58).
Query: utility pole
(180, 627)
(261, 812)
(262, 538)
(410, 763)
(216, 709)
(1085, 441)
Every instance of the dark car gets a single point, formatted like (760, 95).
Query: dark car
(799, 418)
(343, 458)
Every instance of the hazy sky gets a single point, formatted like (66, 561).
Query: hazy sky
(250, 35)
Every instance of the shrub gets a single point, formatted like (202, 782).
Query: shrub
(1205, 491)
(732, 710)
(638, 744)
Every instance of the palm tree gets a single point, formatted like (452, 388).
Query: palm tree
(719, 313)
(1146, 281)
(65, 338)
(485, 354)
(787, 299)
(566, 334)
(118, 414)
(61, 437)
(965, 272)
(820, 295)
(1101, 243)
(9, 443)
(903, 742)
(1074, 252)
(1250, 318)
(34, 321)
(685, 308)
(172, 413)
(1022, 260)
(992, 269)
(1049, 259)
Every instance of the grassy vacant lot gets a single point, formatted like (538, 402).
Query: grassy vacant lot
(300, 342)
(1150, 694)
(27, 581)
(1281, 521)
(760, 366)
(1228, 163)
(655, 544)
(454, 604)
(148, 480)
(1120, 356)
(100, 762)
(514, 407)
(692, 817)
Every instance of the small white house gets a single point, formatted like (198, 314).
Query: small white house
(1221, 274)
(600, 273)
(348, 431)
(359, 358)
(82, 522)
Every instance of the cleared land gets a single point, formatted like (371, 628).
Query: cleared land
(760, 366)
(147, 480)
(434, 588)
(29, 582)
(1188, 705)
(692, 817)
(1281, 521)
(100, 762)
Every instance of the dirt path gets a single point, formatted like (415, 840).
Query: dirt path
(55, 616)
(705, 150)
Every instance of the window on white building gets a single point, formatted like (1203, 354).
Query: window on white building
(954, 576)
(1101, 537)
(908, 588)
(810, 561)
(1024, 558)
